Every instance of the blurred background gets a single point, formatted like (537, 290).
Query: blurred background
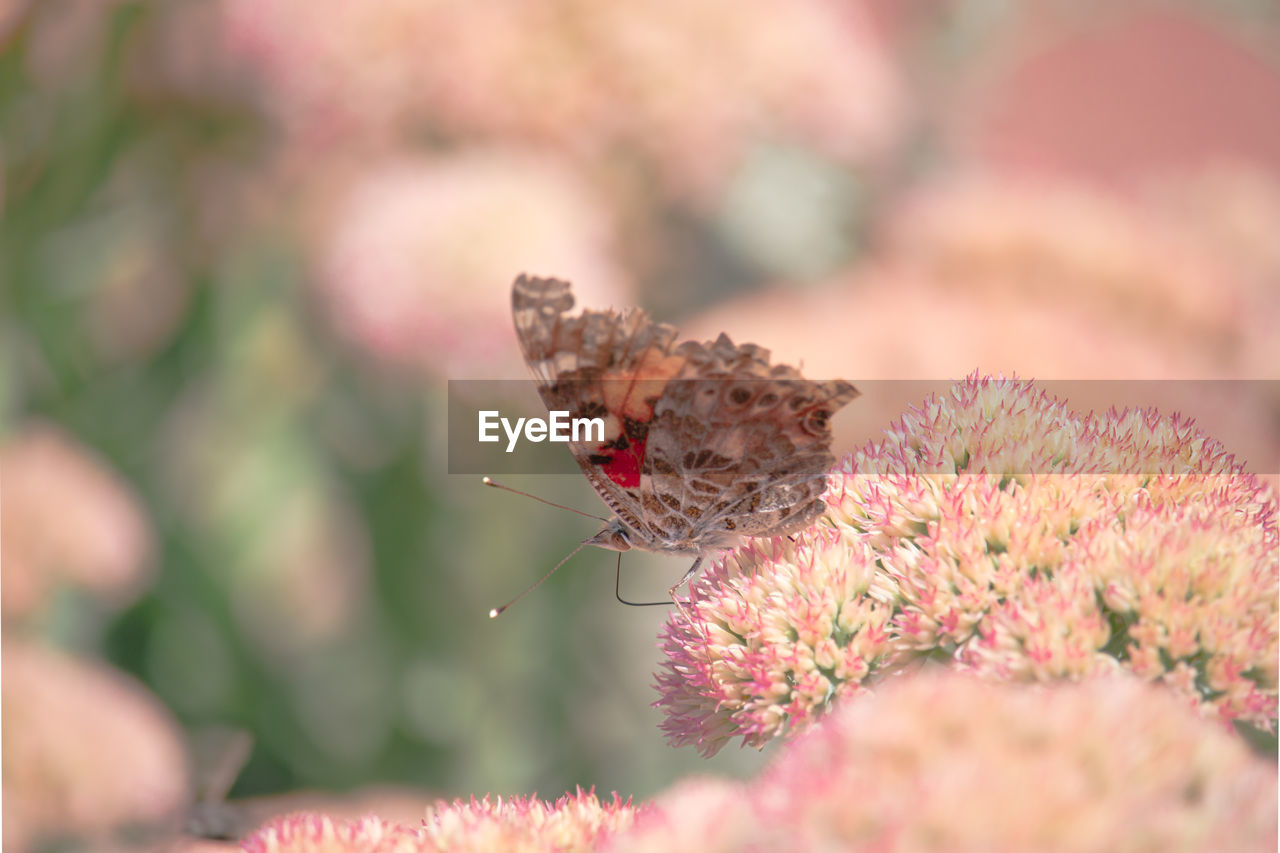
(244, 244)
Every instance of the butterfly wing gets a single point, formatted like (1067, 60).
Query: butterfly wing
(597, 364)
(738, 447)
(703, 443)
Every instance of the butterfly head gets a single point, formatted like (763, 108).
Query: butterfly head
(612, 537)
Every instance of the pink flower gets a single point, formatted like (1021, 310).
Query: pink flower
(695, 814)
(1058, 242)
(575, 822)
(601, 81)
(311, 832)
(68, 519)
(996, 530)
(11, 12)
(578, 821)
(1035, 99)
(950, 762)
(938, 761)
(417, 268)
(944, 761)
(1186, 585)
(86, 750)
(1183, 269)
(779, 628)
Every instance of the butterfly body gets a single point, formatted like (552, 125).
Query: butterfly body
(704, 444)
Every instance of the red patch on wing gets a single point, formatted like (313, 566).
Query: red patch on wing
(623, 466)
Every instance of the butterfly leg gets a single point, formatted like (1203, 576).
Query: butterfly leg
(693, 570)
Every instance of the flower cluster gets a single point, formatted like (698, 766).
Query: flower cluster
(413, 248)
(578, 821)
(1062, 244)
(779, 628)
(994, 529)
(943, 761)
(585, 78)
(312, 832)
(68, 520)
(86, 750)
(1051, 277)
(939, 760)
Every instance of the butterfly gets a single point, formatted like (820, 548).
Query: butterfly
(704, 444)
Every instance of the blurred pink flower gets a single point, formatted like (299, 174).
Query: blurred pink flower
(956, 763)
(1171, 277)
(949, 762)
(578, 821)
(66, 40)
(703, 814)
(575, 822)
(418, 266)
(994, 528)
(1050, 277)
(934, 761)
(1068, 88)
(1054, 241)
(86, 750)
(11, 12)
(591, 79)
(312, 832)
(68, 519)
(1232, 212)
(1061, 281)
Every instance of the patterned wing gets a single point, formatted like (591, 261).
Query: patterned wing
(598, 364)
(738, 447)
(703, 443)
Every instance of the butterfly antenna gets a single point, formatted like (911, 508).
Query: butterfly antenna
(496, 485)
(497, 611)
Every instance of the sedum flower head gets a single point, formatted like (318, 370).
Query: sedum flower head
(778, 629)
(576, 821)
(998, 531)
(69, 520)
(312, 832)
(942, 761)
(413, 246)
(86, 750)
(587, 78)
(1056, 241)
(701, 813)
